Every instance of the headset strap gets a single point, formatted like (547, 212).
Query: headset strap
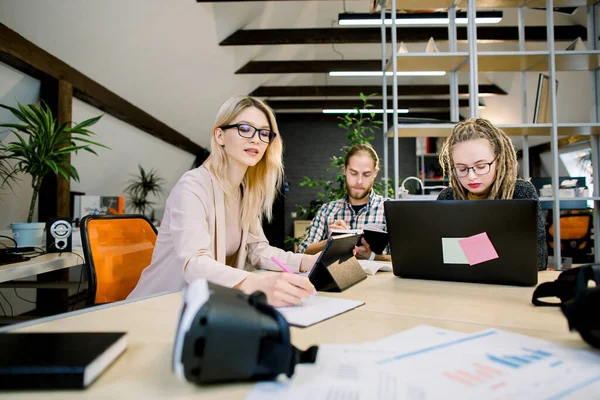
(567, 285)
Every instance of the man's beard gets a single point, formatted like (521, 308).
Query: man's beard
(361, 195)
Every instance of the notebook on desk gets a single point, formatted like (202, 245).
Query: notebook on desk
(483, 241)
(66, 360)
(316, 309)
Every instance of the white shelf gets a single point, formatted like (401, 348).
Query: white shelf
(502, 61)
(594, 198)
(447, 62)
(498, 61)
(572, 61)
(422, 4)
(444, 130)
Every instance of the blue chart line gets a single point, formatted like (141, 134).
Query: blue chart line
(439, 346)
(517, 361)
(575, 388)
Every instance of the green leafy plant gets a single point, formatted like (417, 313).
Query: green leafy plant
(147, 182)
(43, 147)
(360, 128)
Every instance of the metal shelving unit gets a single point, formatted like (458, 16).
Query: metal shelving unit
(523, 61)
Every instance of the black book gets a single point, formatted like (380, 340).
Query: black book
(374, 235)
(71, 360)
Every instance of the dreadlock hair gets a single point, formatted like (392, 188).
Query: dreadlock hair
(503, 186)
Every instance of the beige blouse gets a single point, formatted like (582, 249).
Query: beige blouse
(192, 241)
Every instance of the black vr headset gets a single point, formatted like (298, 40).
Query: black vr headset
(224, 335)
(580, 304)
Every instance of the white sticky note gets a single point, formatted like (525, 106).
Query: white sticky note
(453, 252)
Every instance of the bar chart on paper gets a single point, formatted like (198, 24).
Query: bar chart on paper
(525, 357)
(491, 364)
(498, 364)
(472, 376)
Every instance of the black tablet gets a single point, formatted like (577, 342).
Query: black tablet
(336, 268)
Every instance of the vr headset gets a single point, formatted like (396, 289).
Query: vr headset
(224, 335)
(579, 304)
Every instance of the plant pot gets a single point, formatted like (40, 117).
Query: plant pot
(28, 234)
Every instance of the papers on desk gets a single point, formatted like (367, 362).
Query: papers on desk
(371, 267)
(316, 309)
(430, 363)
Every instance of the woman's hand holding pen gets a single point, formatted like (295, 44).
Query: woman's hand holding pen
(281, 290)
(285, 289)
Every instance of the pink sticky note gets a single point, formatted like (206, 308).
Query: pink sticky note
(478, 248)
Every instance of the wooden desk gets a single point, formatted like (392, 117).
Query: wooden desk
(40, 265)
(393, 305)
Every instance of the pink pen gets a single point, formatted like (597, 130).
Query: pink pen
(286, 269)
(280, 265)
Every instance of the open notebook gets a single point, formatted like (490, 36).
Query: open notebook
(371, 267)
(374, 234)
(316, 309)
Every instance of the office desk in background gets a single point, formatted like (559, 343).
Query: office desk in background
(50, 298)
(41, 264)
(392, 305)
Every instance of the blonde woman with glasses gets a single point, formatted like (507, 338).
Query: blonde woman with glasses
(482, 164)
(212, 223)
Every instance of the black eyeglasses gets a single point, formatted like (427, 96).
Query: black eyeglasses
(248, 132)
(479, 169)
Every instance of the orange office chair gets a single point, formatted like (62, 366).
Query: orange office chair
(116, 248)
(575, 237)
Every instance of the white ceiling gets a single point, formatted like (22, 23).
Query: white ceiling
(164, 57)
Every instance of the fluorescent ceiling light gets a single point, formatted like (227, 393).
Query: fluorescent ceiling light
(362, 111)
(388, 73)
(411, 19)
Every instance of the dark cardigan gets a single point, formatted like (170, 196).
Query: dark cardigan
(523, 190)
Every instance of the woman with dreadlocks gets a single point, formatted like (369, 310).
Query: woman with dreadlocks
(482, 164)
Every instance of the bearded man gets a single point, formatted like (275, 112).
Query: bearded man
(360, 207)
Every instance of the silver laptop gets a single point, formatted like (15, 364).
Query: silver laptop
(484, 241)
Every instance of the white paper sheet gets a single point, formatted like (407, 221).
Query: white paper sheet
(371, 267)
(316, 309)
(349, 371)
(489, 364)
(498, 364)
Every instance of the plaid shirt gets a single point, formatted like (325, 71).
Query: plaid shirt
(372, 213)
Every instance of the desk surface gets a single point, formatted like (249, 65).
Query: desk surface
(39, 265)
(392, 305)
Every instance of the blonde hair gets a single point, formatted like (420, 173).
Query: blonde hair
(261, 182)
(362, 148)
(503, 186)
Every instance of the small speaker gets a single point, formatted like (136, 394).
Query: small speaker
(58, 235)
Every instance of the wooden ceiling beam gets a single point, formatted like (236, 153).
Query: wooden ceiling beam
(315, 66)
(284, 116)
(247, 37)
(350, 104)
(403, 90)
(23, 55)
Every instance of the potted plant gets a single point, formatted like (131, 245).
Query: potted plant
(42, 147)
(140, 187)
